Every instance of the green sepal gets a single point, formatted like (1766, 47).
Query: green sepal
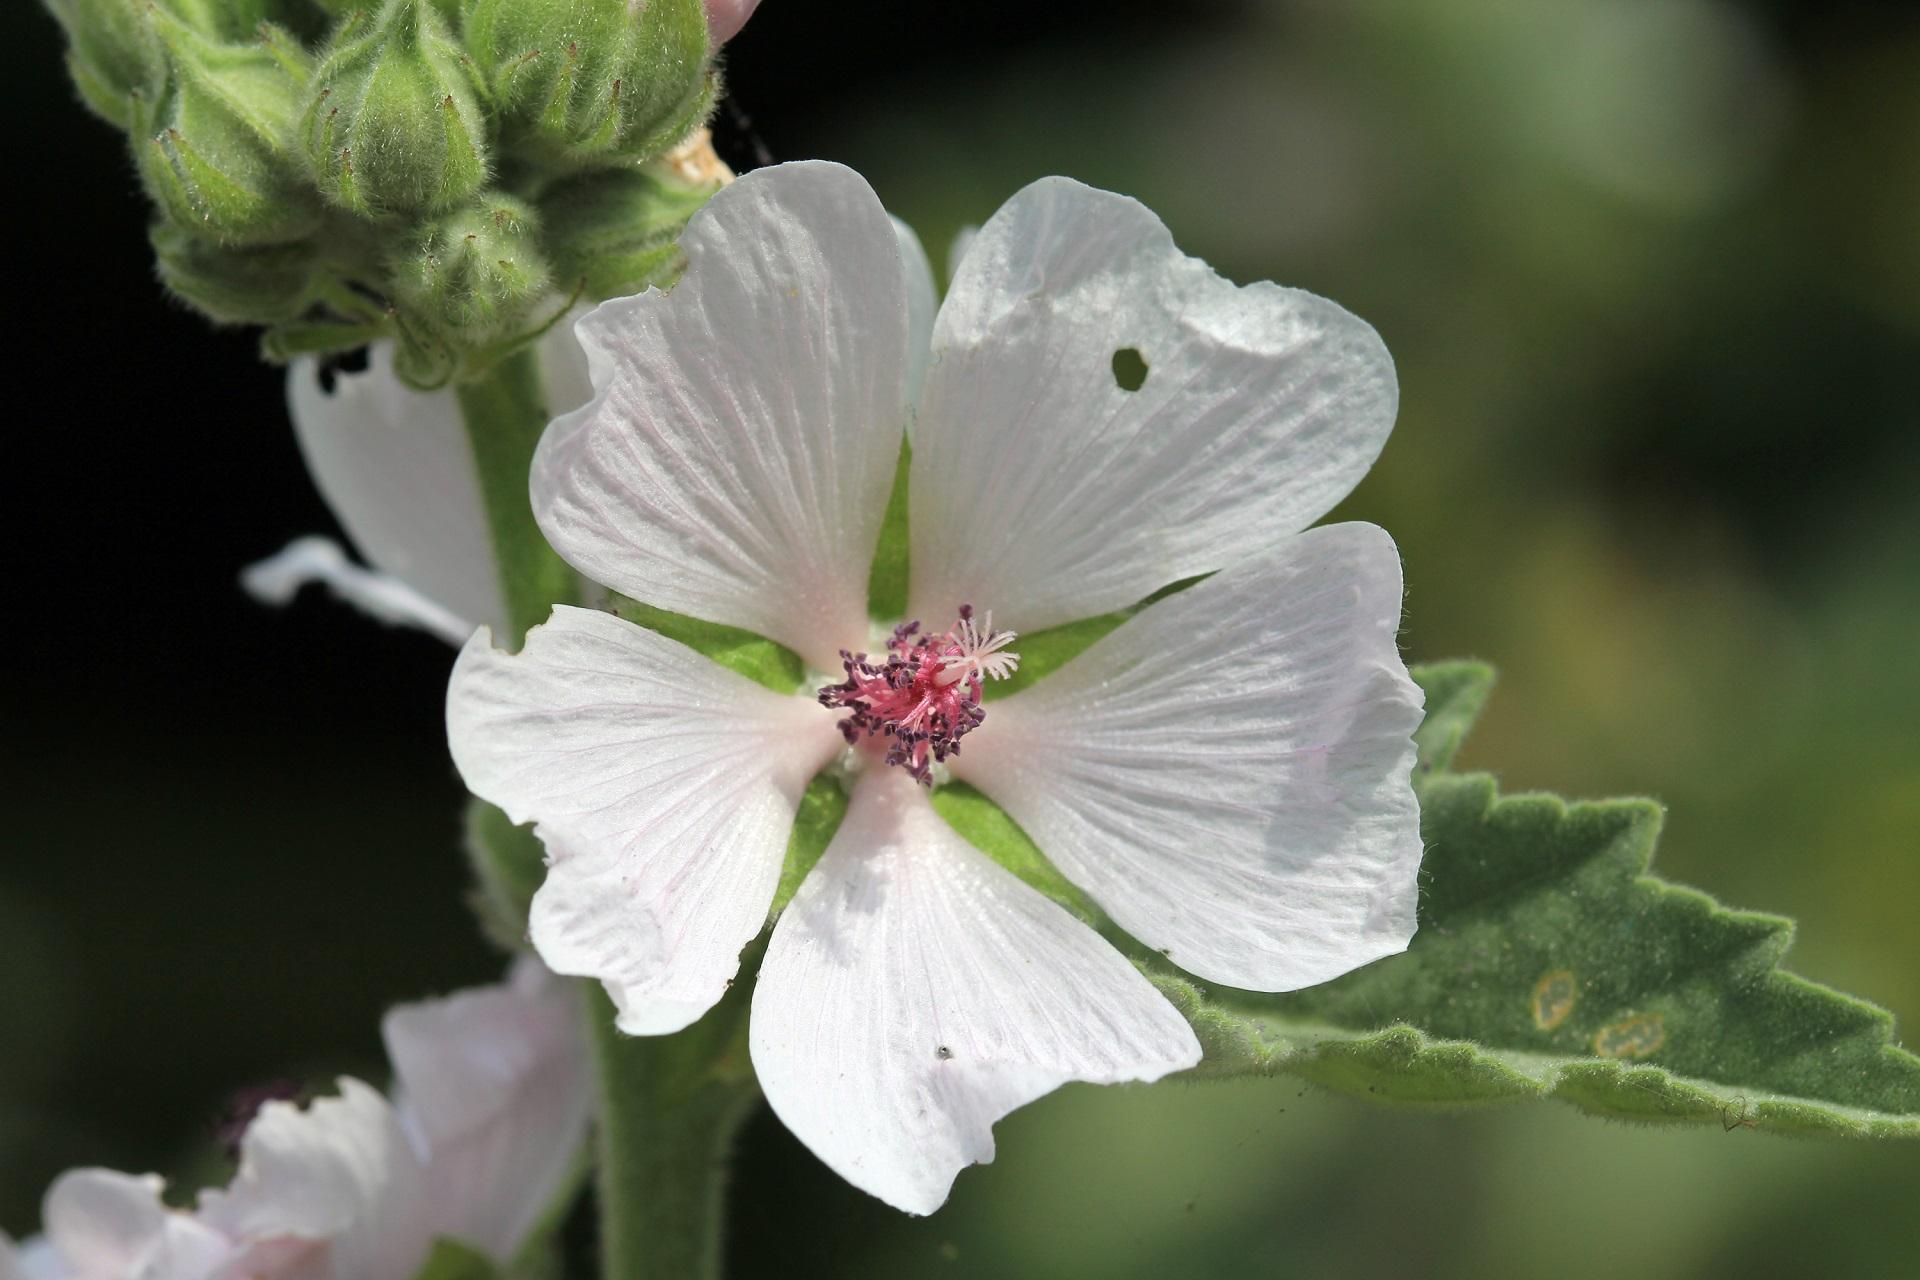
(988, 828)
(615, 233)
(823, 806)
(213, 138)
(394, 123)
(592, 83)
(887, 580)
(754, 656)
(1550, 964)
(284, 343)
(472, 275)
(452, 1260)
(112, 54)
(266, 286)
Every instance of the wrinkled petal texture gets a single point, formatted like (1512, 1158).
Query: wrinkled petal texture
(341, 1173)
(735, 461)
(494, 1085)
(1228, 773)
(664, 787)
(395, 466)
(915, 992)
(1045, 491)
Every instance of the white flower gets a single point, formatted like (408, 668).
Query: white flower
(1226, 774)
(396, 467)
(485, 1128)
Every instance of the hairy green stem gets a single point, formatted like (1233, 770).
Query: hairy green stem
(670, 1107)
(505, 412)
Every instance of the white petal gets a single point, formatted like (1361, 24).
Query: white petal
(664, 787)
(915, 992)
(921, 305)
(101, 1222)
(1229, 773)
(957, 251)
(341, 1174)
(736, 459)
(395, 466)
(1044, 491)
(383, 597)
(495, 1084)
(12, 1267)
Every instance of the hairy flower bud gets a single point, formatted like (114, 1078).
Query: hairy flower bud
(212, 139)
(394, 124)
(111, 54)
(593, 82)
(613, 233)
(264, 286)
(472, 274)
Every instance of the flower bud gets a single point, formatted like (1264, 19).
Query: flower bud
(474, 273)
(235, 286)
(111, 54)
(394, 124)
(213, 139)
(614, 233)
(592, 82)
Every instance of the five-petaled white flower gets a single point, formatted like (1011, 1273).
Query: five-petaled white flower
(1226, 774)
(483, 1134)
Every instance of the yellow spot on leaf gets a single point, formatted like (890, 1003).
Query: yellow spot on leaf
(1553, 998)
(1637, 1037)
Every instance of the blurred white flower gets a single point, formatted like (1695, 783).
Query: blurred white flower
(1226, 774)
(483, 1132)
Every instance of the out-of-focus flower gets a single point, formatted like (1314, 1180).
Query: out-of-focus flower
(1226, 774)
(489, 1111)
(397, 468)
(726, 17)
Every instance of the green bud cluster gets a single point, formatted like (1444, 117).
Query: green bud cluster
(450, 174)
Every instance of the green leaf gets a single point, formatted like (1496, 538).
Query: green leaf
(509, 865)
(757, 658)
(452, 1260)
(1550, 964)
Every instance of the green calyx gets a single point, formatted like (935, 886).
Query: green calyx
(211, 134)
(393, 124)
(472, 276)
(614, 232)
(582, 83)
(270, 285)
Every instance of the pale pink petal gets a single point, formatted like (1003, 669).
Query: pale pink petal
(735, 461)
(1045, 491)
(494, 1084)
(1229, 773)
(726, 17)
(664, 787)
(337, 1184)
(915, 992)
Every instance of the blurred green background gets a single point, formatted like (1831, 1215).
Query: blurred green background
(1651, 272)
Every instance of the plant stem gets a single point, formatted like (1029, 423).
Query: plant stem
(670, 1107)
(505, 412)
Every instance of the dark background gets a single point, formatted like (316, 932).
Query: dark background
(1651, 272)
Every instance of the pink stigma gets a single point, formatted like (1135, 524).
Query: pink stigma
(925, 695)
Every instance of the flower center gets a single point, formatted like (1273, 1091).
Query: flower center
(924, 695)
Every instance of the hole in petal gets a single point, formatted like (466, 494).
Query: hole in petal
(1129, 368)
